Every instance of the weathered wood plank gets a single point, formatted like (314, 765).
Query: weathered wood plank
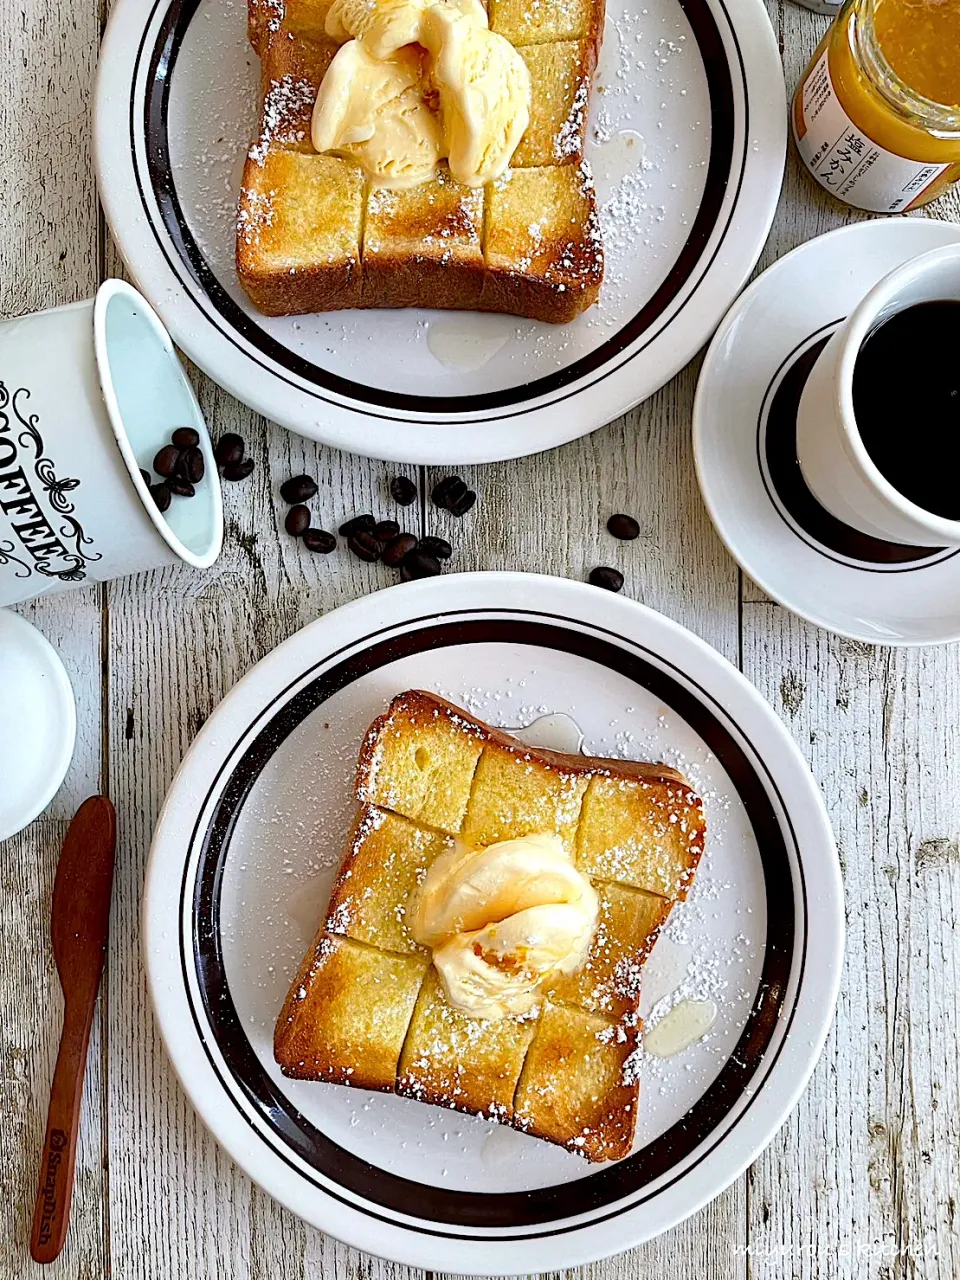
(49, 254)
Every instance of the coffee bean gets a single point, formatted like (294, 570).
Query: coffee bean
(186, 438)
(623, 527)
(319, 540)
(191, 465)
(419, 565)
(229, 450)
(609, 579)
(384, 530)
(364, 545)
(146, 477)
(460, 506)
(450, 489)
(238, 470)
(298, 489)
(165, 463)
(357, 524)
(297, 521)
(439, 548)
(182, 488)
(403, 490)
(397, 548)
(160, 493)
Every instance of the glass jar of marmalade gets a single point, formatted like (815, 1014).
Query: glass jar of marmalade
(876, 115)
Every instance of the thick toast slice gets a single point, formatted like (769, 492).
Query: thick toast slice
(366, 1007)
(314, 235)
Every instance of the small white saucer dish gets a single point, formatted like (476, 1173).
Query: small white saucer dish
(38, 723)
(744, 436)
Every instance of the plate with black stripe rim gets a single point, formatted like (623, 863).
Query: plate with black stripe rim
(685, 215)
(744, 437)
(254, 825)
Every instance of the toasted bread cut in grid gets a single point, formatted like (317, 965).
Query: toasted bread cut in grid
(560, 81)
(542, 243)
(424, 243)
(299, 222)
(516, 794)
(608, 983)
(419, 760)
(453, 1060)
(646, 834)
(574, 1089)
(543, 21)
(554, 282)
(347, 1014)
(386, 859)
(568, 1059)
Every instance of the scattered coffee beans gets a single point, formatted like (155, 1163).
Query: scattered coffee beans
(609, 579)
(355, 525)
(364, 545)
(397, 548)
(229, 450)
(384, 530)
(298, 520)
(319, 540)
(298, 489)
(439, 548)
(460, 506)
(623, 527)
(238, 470)
(146, 477)
(160, 493)
(182, 488)
(165, 462)
(449, 489)
(417, 564)
(186, 438)
(190, 465)
(403, 490)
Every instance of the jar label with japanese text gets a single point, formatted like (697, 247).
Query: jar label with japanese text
(845, 161)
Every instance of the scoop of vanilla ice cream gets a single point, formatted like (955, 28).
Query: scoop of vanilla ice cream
(372, 110)
(382, 26)
(484, 91)
(496, 972)
(500, 919)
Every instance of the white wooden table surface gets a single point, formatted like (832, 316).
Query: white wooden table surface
(863, 1179)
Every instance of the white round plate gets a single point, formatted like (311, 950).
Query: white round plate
(744, 435)
(700, 80)
(38, 723)
(255, 824)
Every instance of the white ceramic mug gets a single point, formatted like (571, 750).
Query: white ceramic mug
(88, 394)
(835, 464)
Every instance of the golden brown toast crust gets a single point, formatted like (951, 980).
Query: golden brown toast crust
(537, 249)
(429, 772)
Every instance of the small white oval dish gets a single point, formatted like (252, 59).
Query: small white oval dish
(38, 723)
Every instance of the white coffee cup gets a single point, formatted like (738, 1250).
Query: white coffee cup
(88, 394)
(835, 464)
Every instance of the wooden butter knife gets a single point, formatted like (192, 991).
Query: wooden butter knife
(78, 925)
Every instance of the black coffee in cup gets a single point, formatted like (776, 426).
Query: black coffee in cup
(906, 400)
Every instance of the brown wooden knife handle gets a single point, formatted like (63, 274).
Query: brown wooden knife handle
(52, 1212)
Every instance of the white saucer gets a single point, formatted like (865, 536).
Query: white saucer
(38, 723)
(743, 432)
